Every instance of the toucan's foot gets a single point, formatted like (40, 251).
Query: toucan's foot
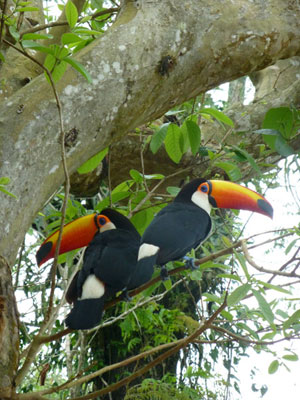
(190, 262)
(164, 273)
(125, 295)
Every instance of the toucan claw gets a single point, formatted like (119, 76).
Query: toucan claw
(125, 295)
(190, 263)
(164, 273)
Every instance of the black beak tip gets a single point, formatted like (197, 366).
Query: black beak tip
(43, 251)
(265, 207)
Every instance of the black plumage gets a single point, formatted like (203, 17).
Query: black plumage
(109, 262)
(177, 229)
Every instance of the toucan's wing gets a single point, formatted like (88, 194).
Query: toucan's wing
(118, 258)
(176, 230)
(111, 257)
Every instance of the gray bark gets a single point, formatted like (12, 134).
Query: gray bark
(209, 45)
(9, 332)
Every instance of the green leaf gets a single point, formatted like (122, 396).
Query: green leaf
(289, 247)
(194, 135)
(264, 306)
(116, 197)
(218, 115)
(282, 120)
(274, 287)
(249, 158)
(242, 261)
(7, 192)
(282, 147)
(142, 219)
(184, 140)
(93, 162)
(4, 180)
(211, 264)
(27, 9)
(49, 62)
(291, 357)
(196, 275)
(69, 37)
(233, 172)
(2, 58)
(271, 132)
(172, 143)
(62, 53)
(173, 190)
(80, 68)
(212, 297)
(154, 176)
(136, 175)
(294, 318)
(167, 284)
(227, 315)
(238, 294)
(158, 138)
(36, 36)
(273, 367)
(71, 14)
(87, 32)
(282, 314)
(58, 71)
(230, 276)
(30, 44)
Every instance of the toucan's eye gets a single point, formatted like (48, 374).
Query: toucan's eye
(102, 221)
(204, 188)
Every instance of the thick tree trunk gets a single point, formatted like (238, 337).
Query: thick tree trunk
(9, 332)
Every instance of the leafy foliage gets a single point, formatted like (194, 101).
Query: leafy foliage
(162, 313)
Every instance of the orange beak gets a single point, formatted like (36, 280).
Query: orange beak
(224, 194)
(76, 234)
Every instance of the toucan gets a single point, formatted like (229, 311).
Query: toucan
(109, 262)
(185, 223)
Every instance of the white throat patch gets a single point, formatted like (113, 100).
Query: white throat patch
(201, 200)
(92, 288)
(108, 227)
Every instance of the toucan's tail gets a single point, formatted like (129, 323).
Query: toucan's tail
(85, 314)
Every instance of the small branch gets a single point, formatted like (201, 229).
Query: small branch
(73, 382)
(109, 176)
(152, 191)
(181, 344)
(265, 270)
(62, 23)
(246, 340)
(282, 268)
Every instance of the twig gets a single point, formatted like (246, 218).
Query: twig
(265, 270)
(61, 23)
(158, 360)
(109, 176)
(293, 258)
(152, 191)
(142, 162)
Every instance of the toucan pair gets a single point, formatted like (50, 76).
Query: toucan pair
(117, 258)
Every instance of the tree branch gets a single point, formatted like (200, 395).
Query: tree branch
(265, 270)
